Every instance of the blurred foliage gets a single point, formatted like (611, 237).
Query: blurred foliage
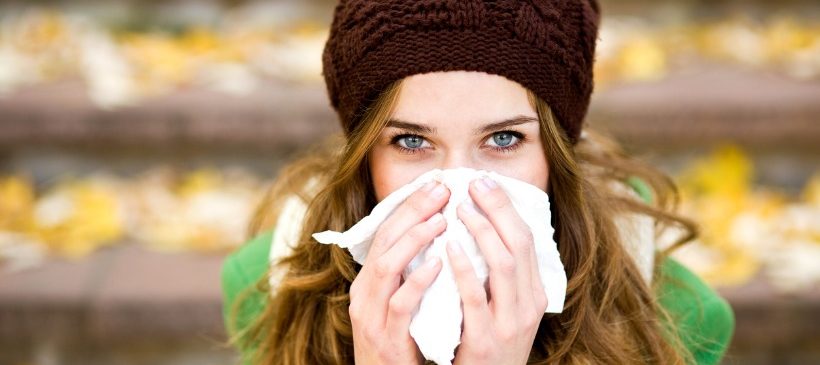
(122, 64)
(746, 228)
(163, 209)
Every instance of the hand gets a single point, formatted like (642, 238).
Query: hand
(500, 330)
(380, 305)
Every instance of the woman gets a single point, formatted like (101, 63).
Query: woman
(493, 85)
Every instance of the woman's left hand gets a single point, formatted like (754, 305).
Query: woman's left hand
(499, 329)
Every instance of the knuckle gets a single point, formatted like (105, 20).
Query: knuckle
(355, 287)
(418, 234)
(371, 333)
(526, 239)
(386, 354)
(522, 240)
(506, 334)
(354, 312)
(396, 306)
(483, 228)
(506, 265)
(526, 234)
(382, 268)
(379, 238)
(475, 297)
(521, 245)
(415, 283)
(382, 241)
(534, 321)
(353, 297)
(483, 350)
(417, 206)
(541, 301)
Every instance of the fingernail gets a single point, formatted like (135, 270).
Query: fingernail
(455, 247)
(432, 261)
(435, 219)
(429, 186)
(489, 183)
(468, 208)
(439, 191)
(481, 186)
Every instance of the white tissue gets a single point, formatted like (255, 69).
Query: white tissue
(436, 325)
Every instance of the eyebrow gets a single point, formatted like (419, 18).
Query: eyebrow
(422, 128)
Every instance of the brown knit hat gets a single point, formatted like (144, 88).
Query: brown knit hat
(548, 46)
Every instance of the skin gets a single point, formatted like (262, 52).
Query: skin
(498, 328)
(455, 103)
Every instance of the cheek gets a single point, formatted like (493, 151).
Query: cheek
(542, 180)
(531, 168)
(389, 175)
(541, 175)
(538, 169)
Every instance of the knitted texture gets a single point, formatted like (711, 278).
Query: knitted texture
(547, 46)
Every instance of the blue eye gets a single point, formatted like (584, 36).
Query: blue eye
(503, 139)
(408, 143)
(506, 141)
(412, 141)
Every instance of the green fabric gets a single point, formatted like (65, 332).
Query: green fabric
(704, 320)
(241, 271)
(640, 187)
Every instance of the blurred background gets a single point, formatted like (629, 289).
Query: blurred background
(137, 136)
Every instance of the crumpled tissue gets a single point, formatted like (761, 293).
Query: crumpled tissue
(436, 324)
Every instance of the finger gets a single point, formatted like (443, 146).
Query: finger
(408, 296)
(539, 297)
(473, 296)
(514, 232)
(419, 206)
(502, 265)
(388, 268)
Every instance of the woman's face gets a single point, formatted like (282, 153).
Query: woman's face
(455, 119)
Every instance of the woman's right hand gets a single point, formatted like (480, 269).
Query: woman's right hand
(381, 305)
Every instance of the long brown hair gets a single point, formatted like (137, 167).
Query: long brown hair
(610, 313)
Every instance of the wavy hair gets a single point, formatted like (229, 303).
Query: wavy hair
(610, 314)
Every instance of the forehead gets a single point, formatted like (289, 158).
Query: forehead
(458, 97)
